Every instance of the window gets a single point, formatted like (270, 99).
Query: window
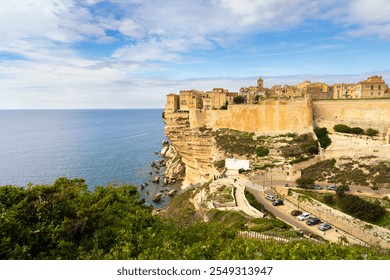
(379, 93)
(372, 87)
(372, 93)
(379, 87)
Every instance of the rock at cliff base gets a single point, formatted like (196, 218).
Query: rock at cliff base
(156, 179)
(157, 197)
(171, 192)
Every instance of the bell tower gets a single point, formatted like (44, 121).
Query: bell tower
(260, 84)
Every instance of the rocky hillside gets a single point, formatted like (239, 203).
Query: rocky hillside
(194, 146)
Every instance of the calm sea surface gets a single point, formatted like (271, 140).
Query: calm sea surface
(101, 146)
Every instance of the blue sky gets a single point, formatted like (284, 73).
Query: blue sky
(131, 53)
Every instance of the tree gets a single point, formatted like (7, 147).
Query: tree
(305, 182)
(323, 136)
(239, 99)
(340, 191)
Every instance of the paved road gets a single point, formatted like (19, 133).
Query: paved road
(283, 213)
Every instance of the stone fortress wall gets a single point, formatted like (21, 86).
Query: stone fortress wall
(297, 115)
(267, 117)
(364, 113)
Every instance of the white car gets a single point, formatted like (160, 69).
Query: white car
(304, 216)
(270, 197)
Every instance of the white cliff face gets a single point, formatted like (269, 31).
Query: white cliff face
(194, 148)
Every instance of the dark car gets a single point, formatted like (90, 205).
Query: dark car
(277, 202)
(296, 212)
(313, 221)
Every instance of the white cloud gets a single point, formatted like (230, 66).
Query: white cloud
(129, 28)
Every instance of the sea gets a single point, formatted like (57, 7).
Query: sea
(102, 146)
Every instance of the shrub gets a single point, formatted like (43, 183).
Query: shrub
(262, 151)
(342, 128)
(313, 150)
(356, 130)
(371, 132)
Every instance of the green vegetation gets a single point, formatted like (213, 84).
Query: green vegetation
(239, 99)
(350, 172)
(256, 204)
(269, 225)
(355, 206)
(262, 151)
(322, 135)
(355, 130)
(262, 167)
(236, 142)
(67, 221)
(219, 164)
(303, 144)
(300, 159)
(305, 182)
(360, 208)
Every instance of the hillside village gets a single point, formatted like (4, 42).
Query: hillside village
(373, 87)
(276, 132)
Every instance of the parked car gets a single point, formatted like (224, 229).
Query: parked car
(316, 187)
(277, 202)
(324, 226)
(270, 197)
(313, 221)
(332, 187)
(304, 216)
(296, 212)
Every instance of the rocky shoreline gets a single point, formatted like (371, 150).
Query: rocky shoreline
(167, 174)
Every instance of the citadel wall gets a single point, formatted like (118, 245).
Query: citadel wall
(269, 117)
(364, 113)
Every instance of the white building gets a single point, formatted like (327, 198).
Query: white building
(236, 164)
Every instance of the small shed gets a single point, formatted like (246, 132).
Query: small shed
(236, 164)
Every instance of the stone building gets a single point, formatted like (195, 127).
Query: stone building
(251, 93)
(373, 87)
(190, 99)
(217, 98)
(285, 91)
(172, 104)
(319, 91)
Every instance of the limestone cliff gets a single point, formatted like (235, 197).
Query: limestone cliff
(174, 167)
(195, 146)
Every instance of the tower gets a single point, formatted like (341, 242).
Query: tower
(260, 83)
